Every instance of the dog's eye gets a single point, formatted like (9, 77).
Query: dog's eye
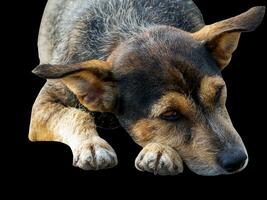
(171, 116)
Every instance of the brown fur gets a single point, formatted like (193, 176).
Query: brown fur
(159, 132)
(90, 81)
(208, 88)
(164, 69)
(174, 100)
(222, 37)
(159, 159)
(48, 116)
(52, 121)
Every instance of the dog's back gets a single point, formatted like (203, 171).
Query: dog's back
(77, 30)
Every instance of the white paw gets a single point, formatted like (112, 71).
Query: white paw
(159, 159)
(94, 154)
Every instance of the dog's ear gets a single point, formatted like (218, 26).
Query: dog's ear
(92, 82)
(222, 38)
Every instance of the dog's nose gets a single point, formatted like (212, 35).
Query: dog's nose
(232, 160)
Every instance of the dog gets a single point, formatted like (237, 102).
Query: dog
(156, 67)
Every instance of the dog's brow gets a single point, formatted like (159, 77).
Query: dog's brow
(209, 86)
(177, 75)
(173, 100)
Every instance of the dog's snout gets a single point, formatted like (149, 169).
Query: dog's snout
(232, 160)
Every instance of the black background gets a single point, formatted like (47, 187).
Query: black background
(245, 78)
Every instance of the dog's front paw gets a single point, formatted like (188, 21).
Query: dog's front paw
(159, 159)
(94, 154)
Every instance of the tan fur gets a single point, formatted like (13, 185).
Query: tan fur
(238, 23)
(222, 37)
(155, 130)
(174, 100)
(221, 45)
(208, 88)
(200, 148)
(59, 113)
(144, 130)
(49, 118)
(52, 121)
(159, 159)
(200, 152)
(88, 85)
(97, 64)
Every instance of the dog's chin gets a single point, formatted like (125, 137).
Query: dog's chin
(205, 170)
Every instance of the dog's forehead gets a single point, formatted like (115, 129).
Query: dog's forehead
(163, 48)
(150, 65)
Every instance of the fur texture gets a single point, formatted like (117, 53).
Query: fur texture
(156, 67)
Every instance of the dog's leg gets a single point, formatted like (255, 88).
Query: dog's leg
(52, 121)
(159, 159)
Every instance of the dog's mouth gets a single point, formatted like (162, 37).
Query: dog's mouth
(204, 169)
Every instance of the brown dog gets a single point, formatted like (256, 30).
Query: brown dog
(156, 66)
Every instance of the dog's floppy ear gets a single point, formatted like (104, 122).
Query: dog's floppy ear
(92, 82)
(222, 38)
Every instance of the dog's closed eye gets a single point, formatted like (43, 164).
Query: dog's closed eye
(171, 115)
(173, 106)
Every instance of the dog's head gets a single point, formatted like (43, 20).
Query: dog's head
(165, 86)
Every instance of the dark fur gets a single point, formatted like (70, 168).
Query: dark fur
(99, 27)
(132, 58)
(152, 76)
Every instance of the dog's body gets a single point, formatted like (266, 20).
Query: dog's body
(125, 51)
(80, 30)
